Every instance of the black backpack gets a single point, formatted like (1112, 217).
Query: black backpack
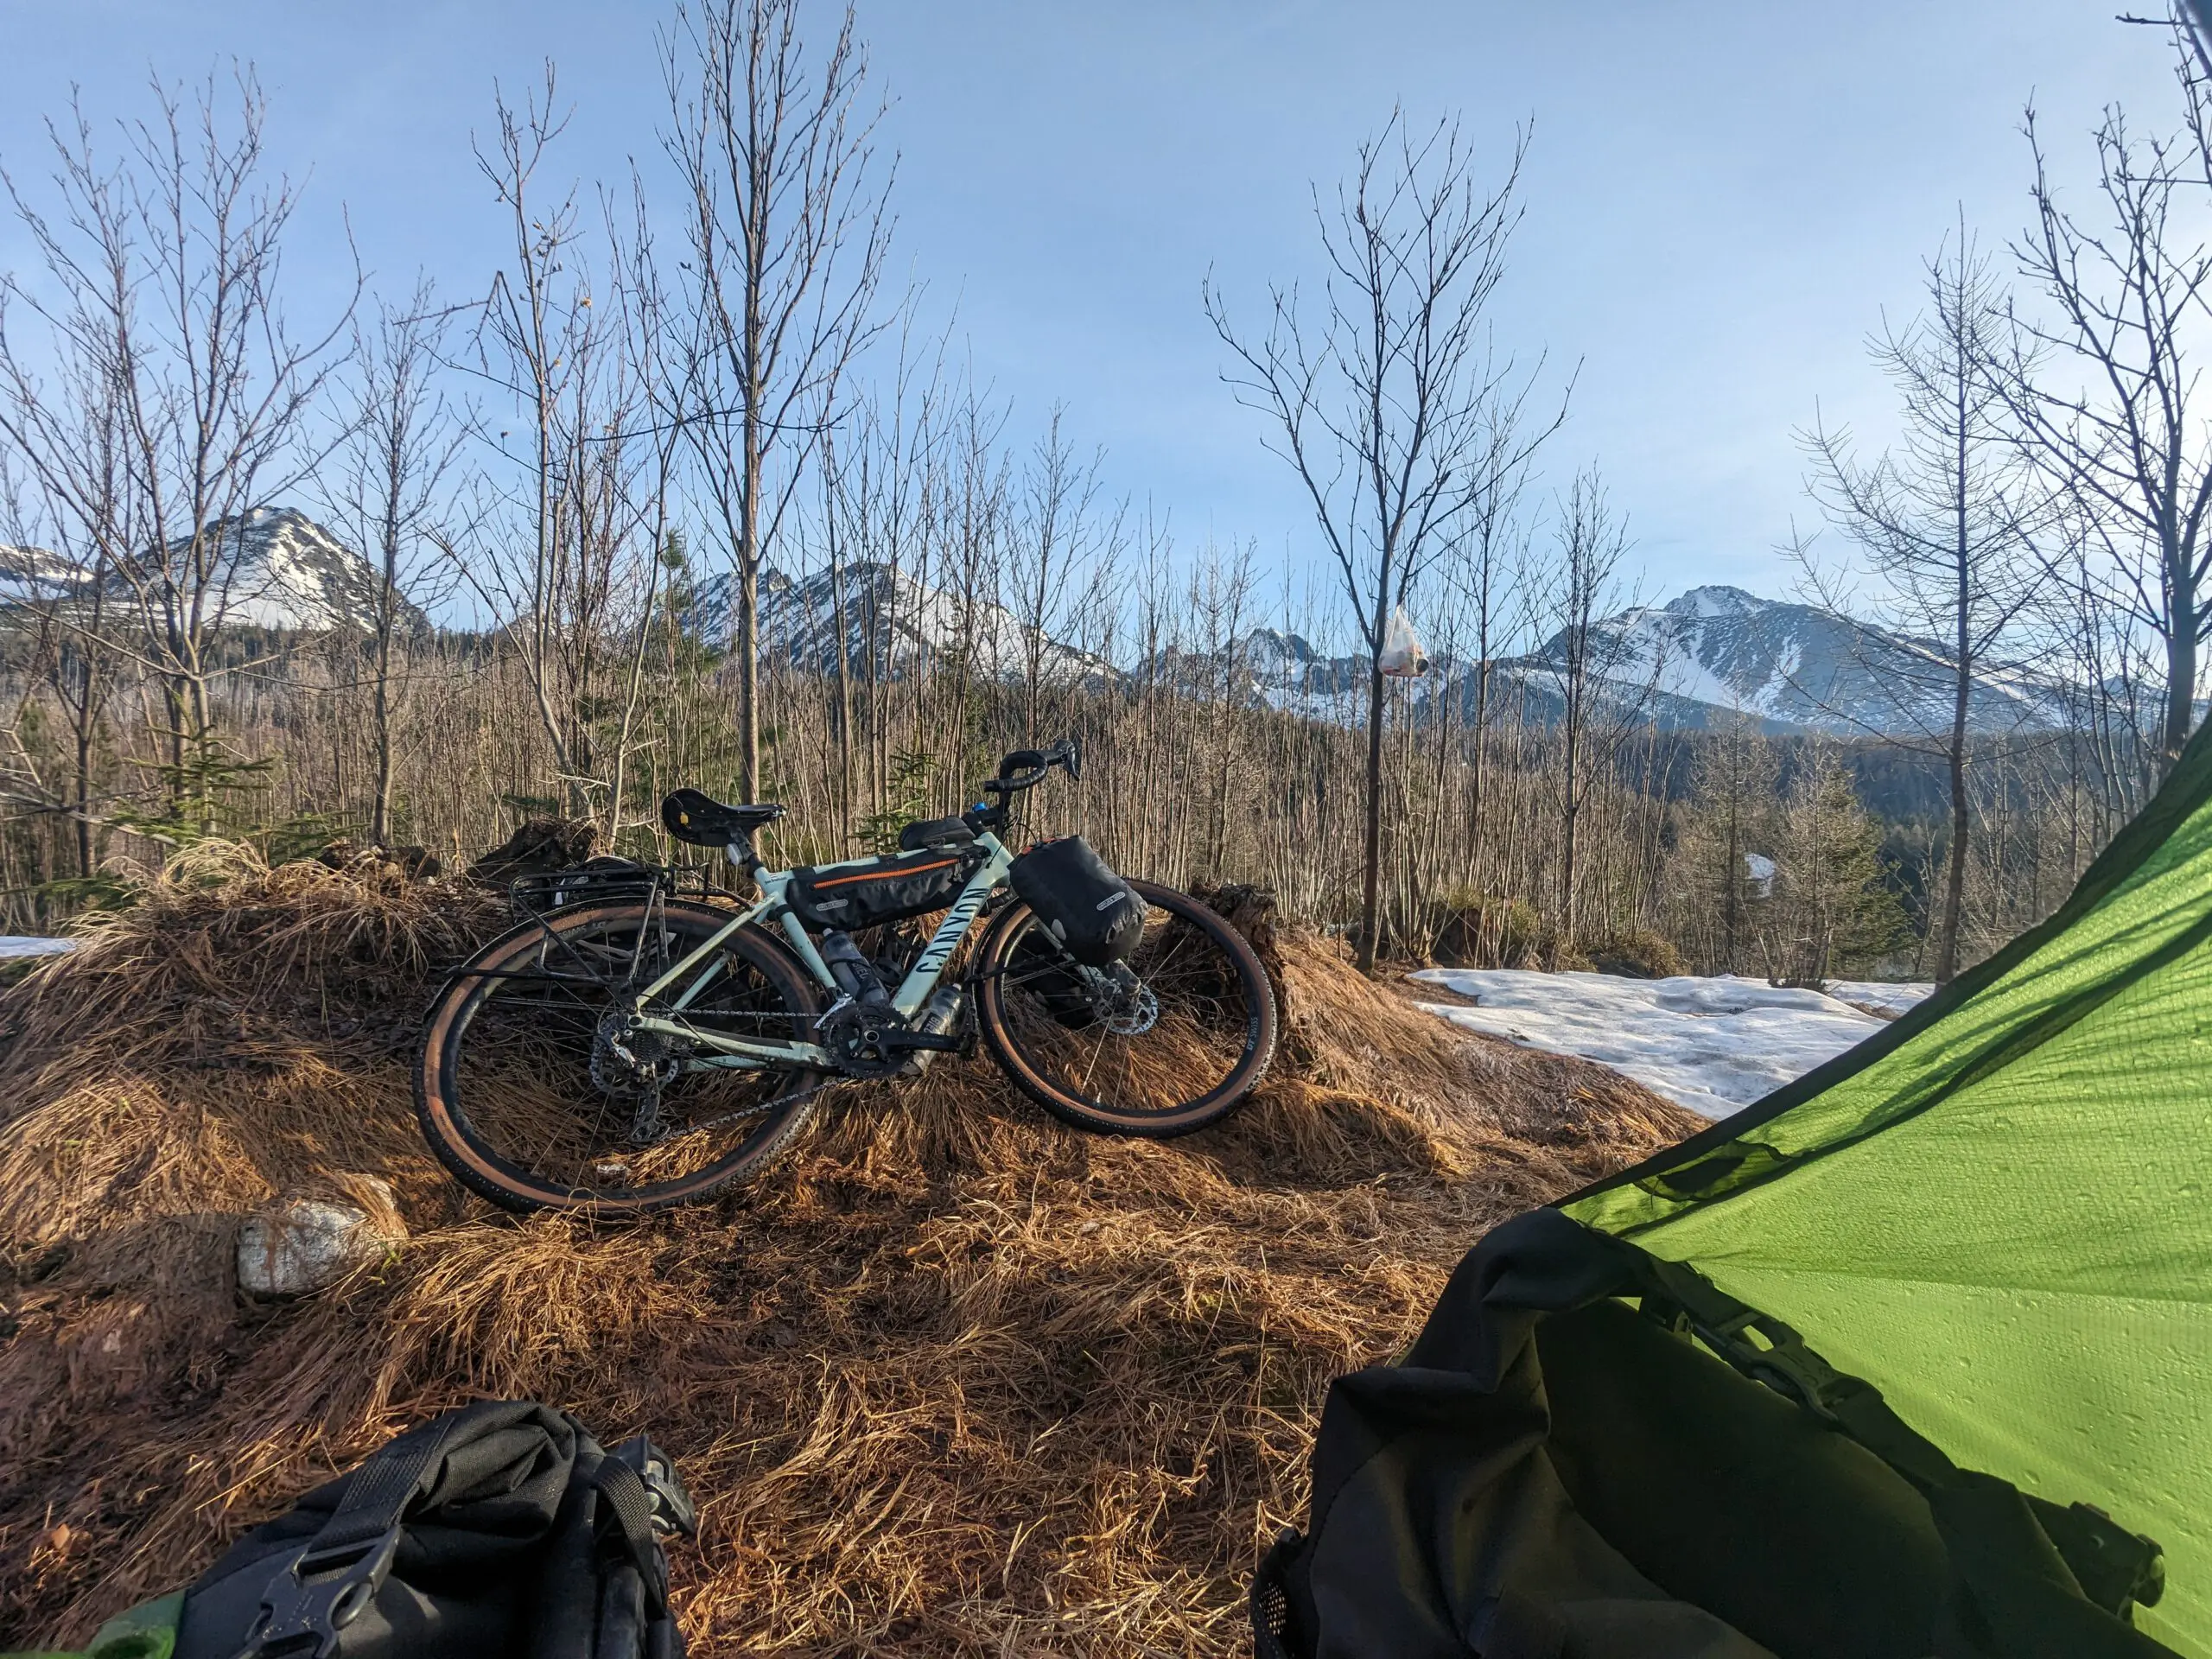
(502, 1530)
(1553, 1474)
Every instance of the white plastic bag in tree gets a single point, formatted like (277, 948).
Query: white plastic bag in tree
(1402, 657)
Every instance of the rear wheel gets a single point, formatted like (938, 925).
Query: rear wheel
(532, 1094)
(1173, 1045)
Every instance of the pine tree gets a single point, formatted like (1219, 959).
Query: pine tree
(1733, 789)
(1831, 910)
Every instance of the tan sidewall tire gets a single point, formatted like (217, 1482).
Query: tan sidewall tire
(1216, 1104)
(483, 1172)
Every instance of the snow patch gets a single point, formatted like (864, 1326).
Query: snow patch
(34, 947)
(1881, 998)
(1713, 1044)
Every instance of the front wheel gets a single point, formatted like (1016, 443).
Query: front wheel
(1173, 1045)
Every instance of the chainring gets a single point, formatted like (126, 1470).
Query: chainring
(854, 1037)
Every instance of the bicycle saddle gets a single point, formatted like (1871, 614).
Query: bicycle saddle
(705, 821)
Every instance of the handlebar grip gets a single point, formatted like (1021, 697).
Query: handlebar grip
(1023, 769)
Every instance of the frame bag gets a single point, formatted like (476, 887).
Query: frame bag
(1094, 915)
(502, 1529)
(844, 897)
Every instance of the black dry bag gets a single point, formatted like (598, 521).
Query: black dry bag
(498, 1531)
(1096, 917)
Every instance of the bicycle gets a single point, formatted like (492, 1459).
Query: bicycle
(629, 1047)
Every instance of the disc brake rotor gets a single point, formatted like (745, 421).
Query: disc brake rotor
(1133, 1012)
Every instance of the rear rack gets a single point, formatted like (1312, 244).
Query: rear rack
(603, 879)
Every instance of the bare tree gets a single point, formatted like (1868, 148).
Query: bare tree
(1734, 783)
(67, 523)
(565, 559)
(162, 283)
(1490, 548)
(2126, 300)
(1586, 662)
(1947, 519)
(787, 233)
(2115, 670)
(388, 483)
(1063, 538)
(1385, 398)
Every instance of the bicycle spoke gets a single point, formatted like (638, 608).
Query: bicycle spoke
(1075, 1034)
(538, 1082)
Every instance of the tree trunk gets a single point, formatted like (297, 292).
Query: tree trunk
(837, 625)
(84, 812)
(1731, 878)
(2181, 663)
(1371, 877)
(748, 683)
(1565, 939)
(1572, 815)
(380, 807)
(387, 619)
(1954, 877)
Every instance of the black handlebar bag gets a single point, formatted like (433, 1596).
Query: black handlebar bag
(498, 1531)
(1560, 1470)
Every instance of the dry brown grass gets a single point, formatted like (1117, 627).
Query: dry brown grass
(954, 1380)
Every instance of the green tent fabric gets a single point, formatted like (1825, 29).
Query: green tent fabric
(1999, 1210)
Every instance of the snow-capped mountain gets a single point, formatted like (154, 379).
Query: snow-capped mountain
(1713, 655)
(276, 568)
(1799, 667)
(33, 573)
(891, 622)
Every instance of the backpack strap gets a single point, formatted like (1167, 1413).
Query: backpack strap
(318, 1588)
(624, 1494)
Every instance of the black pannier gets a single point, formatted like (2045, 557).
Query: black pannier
(1096, 917)
(866, 895)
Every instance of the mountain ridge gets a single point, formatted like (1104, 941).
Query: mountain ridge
(1711, 655)
(277, 569)
(1714, 655)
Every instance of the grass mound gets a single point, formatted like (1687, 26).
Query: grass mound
(953, 1380)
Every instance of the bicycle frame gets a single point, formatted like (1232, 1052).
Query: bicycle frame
(738, 1053)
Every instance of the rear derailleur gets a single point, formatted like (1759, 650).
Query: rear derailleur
(633, 1064)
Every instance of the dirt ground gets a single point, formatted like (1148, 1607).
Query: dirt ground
(951, 1379)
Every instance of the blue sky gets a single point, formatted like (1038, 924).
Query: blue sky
(1723, 197)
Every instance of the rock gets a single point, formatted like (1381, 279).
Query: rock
(310, 1242)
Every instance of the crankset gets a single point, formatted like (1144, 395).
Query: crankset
(866, 1039)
